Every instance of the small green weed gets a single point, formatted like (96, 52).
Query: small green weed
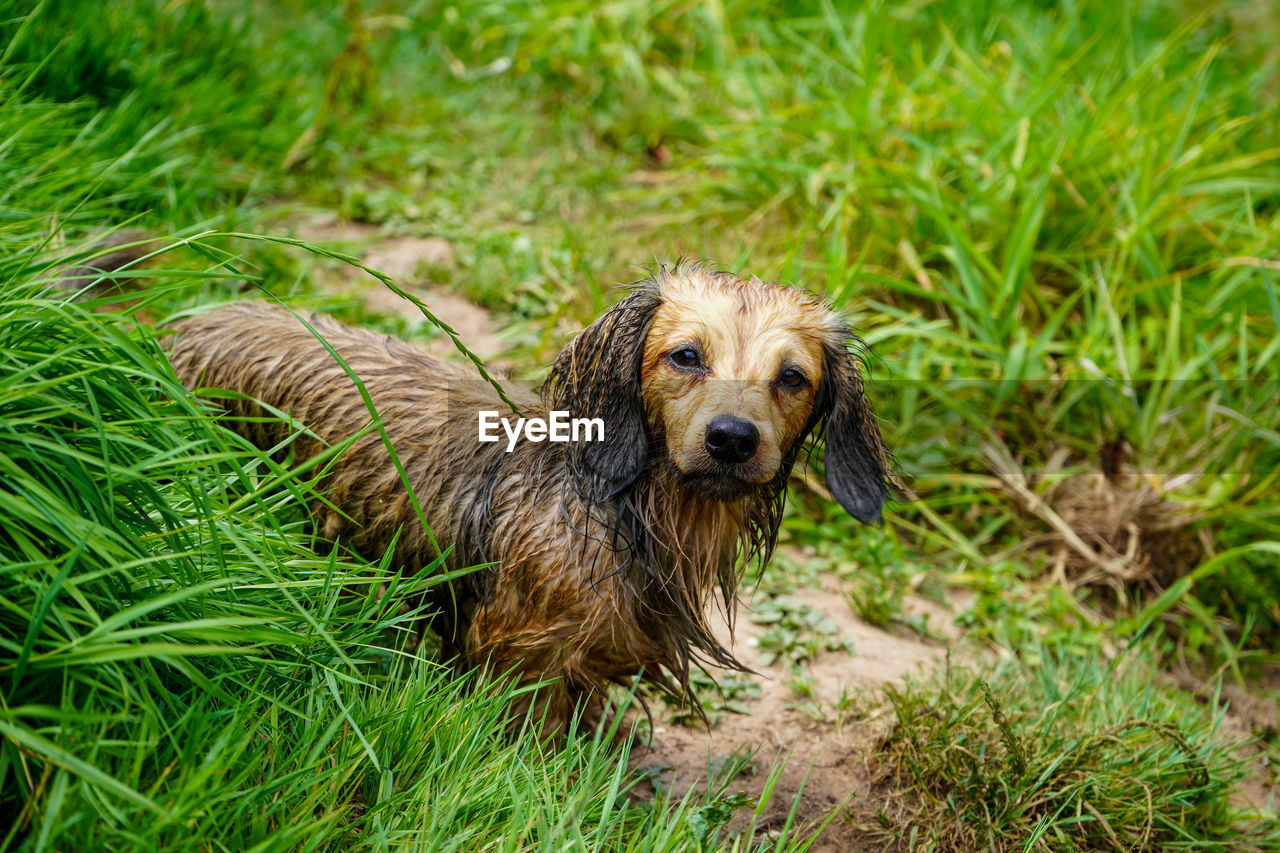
(729, 694)
(795, 632)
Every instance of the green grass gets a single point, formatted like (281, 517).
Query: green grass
(1054, 223)
(1071, 754)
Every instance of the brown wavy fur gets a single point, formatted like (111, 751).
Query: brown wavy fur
(605, 553)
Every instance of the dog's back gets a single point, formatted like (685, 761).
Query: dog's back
(267, 354)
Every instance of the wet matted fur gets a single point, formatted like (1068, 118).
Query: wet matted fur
(605, 555)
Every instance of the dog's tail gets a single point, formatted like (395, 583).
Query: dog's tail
(96, 270)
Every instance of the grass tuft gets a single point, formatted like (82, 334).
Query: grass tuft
(1074, 753)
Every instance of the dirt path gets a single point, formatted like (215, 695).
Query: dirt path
(404, 260)
(826, 734)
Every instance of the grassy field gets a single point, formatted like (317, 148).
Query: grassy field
(1054, 223)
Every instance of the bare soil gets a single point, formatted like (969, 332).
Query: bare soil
(405, 261)
(827, 737)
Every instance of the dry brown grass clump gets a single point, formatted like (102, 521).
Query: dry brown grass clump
(1112, 528)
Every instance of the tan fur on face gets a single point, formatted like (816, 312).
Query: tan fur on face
(747, 332)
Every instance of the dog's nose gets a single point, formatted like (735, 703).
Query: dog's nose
(731, 439)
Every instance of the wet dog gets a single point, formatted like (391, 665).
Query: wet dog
(603, 556)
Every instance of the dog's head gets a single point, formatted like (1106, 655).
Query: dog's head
(717, 381)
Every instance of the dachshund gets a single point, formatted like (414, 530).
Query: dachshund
(600, 559)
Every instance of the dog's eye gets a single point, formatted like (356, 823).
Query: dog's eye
(686, 357)
(791, 377)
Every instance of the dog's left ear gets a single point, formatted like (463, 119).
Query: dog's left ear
(856, 461)
(598, 376)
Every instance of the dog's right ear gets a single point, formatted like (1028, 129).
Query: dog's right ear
(856, 461)
(598, 376)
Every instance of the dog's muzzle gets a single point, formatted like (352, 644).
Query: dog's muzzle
(731, 440)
